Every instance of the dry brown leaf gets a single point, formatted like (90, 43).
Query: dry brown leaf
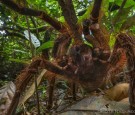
(96, 105)
(118, 92)
(101, 105)
(6, 95)
(31, 90)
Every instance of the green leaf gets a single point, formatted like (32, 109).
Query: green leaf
(128, 3)
(18, 61)
(89, 44)
(111, 0)
(45, 45)
(130, 22)
(112, 40)
(121, 16)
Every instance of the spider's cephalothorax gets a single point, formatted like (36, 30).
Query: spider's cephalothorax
(81, 55)
(87, 68)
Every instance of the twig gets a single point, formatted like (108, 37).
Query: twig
(74, 91)
(37, 97)
(31, 45)
(34, 23)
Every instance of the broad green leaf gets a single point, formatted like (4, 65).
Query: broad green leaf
(16, 50)
(111, 0)
(45, 45)
(18, 61)
(121, 16)
(128, 3)
(128, 23)
(62, 19)
(89, 44)
(112, 40)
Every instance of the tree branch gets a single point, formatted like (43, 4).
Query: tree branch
(20, 28)
(8, 28)
(31, 12)
(14, 34)
(35, 25)
(33, 30)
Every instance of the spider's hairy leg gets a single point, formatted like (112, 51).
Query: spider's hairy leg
(26, 75)
(61, 45)
(117, 61)
(60, 49)
(127, 42)
(95, 27)
(100, 40)
(21, 82)
(59, 52)
(86, 31)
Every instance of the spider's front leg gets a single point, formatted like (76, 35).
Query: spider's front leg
(127, 43)
(21, 82)
(116, 63)
(26, 75)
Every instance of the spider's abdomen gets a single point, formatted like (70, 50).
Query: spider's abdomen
(93, 77)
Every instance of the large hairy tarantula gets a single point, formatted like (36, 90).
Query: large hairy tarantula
(78, 62)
